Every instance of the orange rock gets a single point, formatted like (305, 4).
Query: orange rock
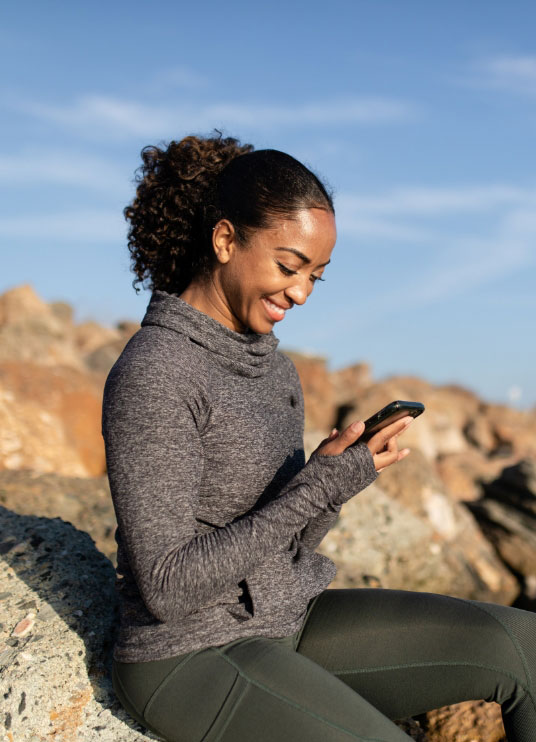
(471, 721)
(50, 420)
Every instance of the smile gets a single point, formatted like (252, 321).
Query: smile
(274, 312)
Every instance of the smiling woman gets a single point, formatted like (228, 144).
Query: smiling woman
(227, 631)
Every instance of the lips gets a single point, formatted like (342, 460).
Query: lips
(274, 311)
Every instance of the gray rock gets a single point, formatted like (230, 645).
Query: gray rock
(507, 515)
(379, 542)
(55, 679)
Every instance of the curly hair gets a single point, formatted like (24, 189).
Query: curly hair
(186, 188)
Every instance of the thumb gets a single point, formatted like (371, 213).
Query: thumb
(351, 434)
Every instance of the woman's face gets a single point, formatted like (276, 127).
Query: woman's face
(257, 283)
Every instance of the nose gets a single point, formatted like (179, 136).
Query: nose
(299, 291)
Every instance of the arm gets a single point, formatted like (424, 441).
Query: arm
(154, 456)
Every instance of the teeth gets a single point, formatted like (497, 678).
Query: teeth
(275, 307)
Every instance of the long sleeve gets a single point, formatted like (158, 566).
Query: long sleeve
(152, 428)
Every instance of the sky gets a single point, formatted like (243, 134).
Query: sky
(421, 117)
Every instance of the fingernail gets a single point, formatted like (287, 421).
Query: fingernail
(334, 431)
(357, 427)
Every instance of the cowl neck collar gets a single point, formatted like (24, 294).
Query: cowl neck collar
(247, 354)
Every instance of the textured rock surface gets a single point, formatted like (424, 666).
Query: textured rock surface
(473, 721)
(84, 502)
(379, 542)
(50, 419)
(54, 675)
(507, 515)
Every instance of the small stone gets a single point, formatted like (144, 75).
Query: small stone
(28, 656)
(25, 626)
(27, 605)
(78, 613)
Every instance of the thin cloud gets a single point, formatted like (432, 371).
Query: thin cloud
(514, 74)
(457, 264)
(57, 167)
(430, 201)
(96, 115)
(94, 226)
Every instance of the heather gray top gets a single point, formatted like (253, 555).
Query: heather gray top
(218, 514)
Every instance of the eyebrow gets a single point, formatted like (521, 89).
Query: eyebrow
(300, 255)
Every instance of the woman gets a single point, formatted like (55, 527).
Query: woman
(227, 630)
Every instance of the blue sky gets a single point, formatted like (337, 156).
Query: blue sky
(421, 117)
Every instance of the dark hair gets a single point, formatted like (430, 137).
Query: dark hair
(185, 189)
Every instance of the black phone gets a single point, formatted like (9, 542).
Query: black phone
(390, 414)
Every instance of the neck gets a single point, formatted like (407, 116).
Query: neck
(207, 296)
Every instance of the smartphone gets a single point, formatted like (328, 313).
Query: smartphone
(390, 414)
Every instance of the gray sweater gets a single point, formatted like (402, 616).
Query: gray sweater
(218, 514)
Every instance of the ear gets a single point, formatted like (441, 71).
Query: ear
(223, 240)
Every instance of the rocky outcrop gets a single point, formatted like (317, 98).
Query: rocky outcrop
(84, 502)
(507, 516)
(59, 617)
(50, 419)
(52, 373)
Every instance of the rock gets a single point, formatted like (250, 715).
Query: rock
(507, 515)
(463, 474)
(55, 680)
(30, 330)
(85, 502)
(50, 419)
(452, 530)
(472, 721)
(379, 542)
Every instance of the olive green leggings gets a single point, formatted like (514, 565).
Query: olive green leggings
(363, 657)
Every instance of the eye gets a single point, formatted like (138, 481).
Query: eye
(314, 278)
(284, 270)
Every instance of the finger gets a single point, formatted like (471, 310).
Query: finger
(340, 443)
(383, 460)
(350, 435)
(380, 439)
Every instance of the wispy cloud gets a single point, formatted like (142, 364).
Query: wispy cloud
(514, 74)
(98, 116)
(463, 258)
(58, 167)
(409, 214)
(93, 226)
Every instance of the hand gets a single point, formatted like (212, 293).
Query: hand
(383, 446)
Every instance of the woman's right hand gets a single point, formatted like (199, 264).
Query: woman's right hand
(383, 446)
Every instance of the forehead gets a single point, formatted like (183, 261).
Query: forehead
(311, 231)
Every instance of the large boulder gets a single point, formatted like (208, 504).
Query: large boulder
(59, 618)
(83, 501)
(50, 419)
(32, 330)
(507, 515)
(381, 542)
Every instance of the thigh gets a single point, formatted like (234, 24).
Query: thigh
(263, 690)
(408, 652)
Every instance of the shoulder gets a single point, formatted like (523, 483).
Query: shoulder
(157, 357)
